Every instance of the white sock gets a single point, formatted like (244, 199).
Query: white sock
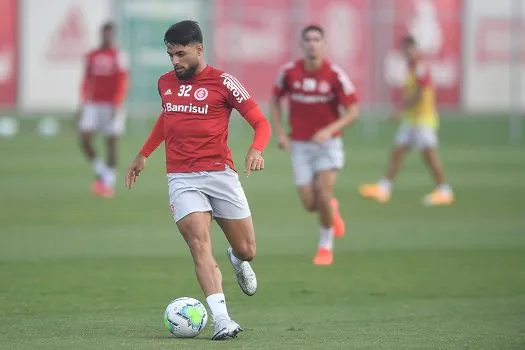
(385, 184)
(326, 240)
(444, 188)
(217, 304)
(110, 177)
(236, 262)
(98, 167)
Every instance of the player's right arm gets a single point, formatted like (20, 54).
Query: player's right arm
(276, 111)
(280, 89)
(154, 140)
(156, 137)
(85, 85)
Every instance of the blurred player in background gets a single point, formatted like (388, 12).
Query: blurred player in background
(104, 89)
(322, 103)
(197, 100)
(418, 130)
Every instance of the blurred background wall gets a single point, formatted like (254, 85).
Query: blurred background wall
(475, 47)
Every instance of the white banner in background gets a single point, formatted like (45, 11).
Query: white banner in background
(55, 35)
(492, 80)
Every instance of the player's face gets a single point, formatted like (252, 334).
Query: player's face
(107, 36)
(409, 51)
(313, 44)
(185, 59)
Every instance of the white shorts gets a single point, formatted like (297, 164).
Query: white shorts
(418, 137)
(310, 158)
(217, 191)
(99, 116)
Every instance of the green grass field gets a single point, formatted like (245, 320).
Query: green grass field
(78, 272)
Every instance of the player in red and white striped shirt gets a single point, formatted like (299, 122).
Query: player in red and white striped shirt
(104, 88)
(323, 102)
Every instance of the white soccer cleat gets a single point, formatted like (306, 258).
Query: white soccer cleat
(245, 275)
(225, 328)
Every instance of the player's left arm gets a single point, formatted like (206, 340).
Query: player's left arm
(348, 113)
(122, 79)
(348, 109)
(239, 98)
(262, 133)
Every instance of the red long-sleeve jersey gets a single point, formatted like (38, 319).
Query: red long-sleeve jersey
(195, 117)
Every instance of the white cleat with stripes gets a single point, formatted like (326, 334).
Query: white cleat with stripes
(225, 328)
(245, 275)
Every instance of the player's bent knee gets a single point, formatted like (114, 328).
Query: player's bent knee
(309, 206)
(324, 193)
(246, 251)
(307, 198)
(399, 150)
(86, 137)
(325, 197)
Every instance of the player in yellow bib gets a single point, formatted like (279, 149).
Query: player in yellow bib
(418, 130)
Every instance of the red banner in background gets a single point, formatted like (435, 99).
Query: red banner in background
(257, 38)
(8, 52)
(347, 36)
(436, 26)
(252, 40)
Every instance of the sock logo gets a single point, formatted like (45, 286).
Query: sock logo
(221, 301)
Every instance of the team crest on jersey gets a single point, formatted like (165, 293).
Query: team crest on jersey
(103, 65)
(309, 84)
(200, 94)
(323, 87)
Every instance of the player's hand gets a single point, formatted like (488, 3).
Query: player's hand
(114, 112)
(284, 142)
(254, 161)
(134, 170)
(321, 136)
(78, 114)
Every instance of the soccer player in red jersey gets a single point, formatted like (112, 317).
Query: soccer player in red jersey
(197, 101)
(323, 102)
(104, 89)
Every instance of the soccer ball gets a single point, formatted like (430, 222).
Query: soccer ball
(185, 317)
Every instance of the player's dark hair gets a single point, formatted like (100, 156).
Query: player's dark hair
(408, 40)
(183, 33)
(312, 27)
(108, 26)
